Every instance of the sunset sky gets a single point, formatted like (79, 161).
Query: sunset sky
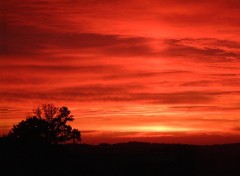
(142, 70)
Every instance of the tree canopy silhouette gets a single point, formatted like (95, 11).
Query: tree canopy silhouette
(47, 124)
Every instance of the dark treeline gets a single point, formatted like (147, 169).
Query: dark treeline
(40, 145)
(123, 159)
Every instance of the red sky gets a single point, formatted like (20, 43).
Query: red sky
(146, 70)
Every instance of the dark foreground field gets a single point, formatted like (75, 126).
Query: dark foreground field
(133, 158)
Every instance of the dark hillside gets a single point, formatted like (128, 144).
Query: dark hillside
(133, 158)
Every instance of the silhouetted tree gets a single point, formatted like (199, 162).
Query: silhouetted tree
(76, 135)
(48, 124)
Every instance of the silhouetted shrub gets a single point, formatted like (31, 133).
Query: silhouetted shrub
(48, 124)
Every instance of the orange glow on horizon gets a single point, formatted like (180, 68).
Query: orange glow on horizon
(154, 129)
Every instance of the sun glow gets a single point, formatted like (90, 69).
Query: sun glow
(158, 128)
